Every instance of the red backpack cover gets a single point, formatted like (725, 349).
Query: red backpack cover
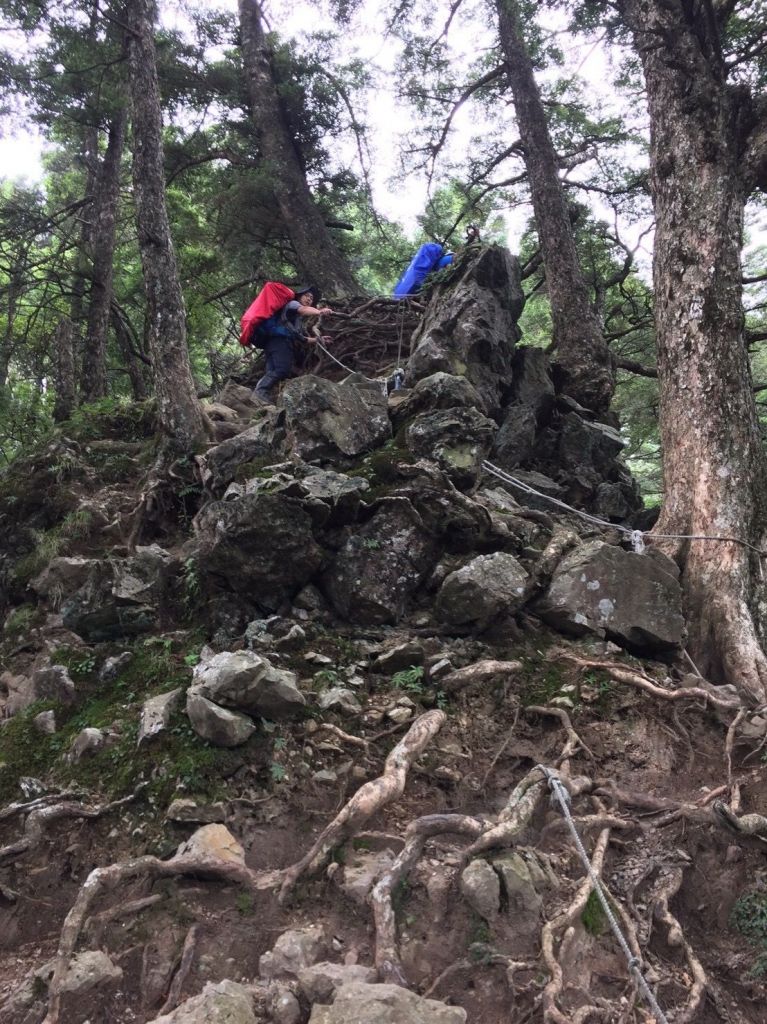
(269, 300)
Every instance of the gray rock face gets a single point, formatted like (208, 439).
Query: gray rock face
(121, 597)
(485, 588)
(223, 1002)
(318, 983)
(248, 682)
(339, 698)
(522, 879)
(358, 1003)
(470, 325)
(86, 743)
(632, 599)
(89, 983)
(293, 951)
(381, 565)
(156, 714)
(326, 420)
(52, 683)
(215, 724)
(261, 441)
(45, 723)
(361, 871)
(531, 402)
(481, 888)
(438, 391)
(62, 577)
(261, 545)
(456, 439)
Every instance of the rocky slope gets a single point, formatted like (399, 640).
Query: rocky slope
(280, 760)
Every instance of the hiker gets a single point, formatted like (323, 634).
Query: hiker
(280, 334)
(428, 257)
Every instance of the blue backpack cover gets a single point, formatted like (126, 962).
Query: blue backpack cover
(422, 263)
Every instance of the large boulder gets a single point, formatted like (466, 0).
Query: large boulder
(360, 1003)
(632, 599)
(437, 391)
(217, 725)
(529, 407)
(62, 577)
(456, 439)
(222, 1002)
(121, 597)
(319, 982)
(484, 589)
(325, 420)
(231, 458)
(89, 983)
(260, 545)
(381, 565)
(470, 325)
(293, 951)
(248, 682)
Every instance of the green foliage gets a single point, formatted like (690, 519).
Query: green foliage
(278, 771)
(410, 680)
(749, 917)
(20, 620)
(244, 903)
(593, 917)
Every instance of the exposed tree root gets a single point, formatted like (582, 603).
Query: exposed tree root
(622, 674)
(368, 799)
(387, 958)
(102, 880)
(574, 743)
(553, 989)
(42, 816)
(94, 926)
(344, 737)
(479, 672)
(675, 937)
(184, 967)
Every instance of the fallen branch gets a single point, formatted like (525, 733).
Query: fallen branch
(479, 672)
(368, 799)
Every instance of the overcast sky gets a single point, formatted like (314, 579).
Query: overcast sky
(390, 122)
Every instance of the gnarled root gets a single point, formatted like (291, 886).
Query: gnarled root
(42, 815)
(553, 989)
(675, 937)
(368, 799)
(622, 674)
(101, 880)
(387, 958)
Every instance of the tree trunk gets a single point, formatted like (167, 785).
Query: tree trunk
(714, 469)
(93, 377)
(178, 410)
(8, 343)
(582, 357)
(133, 362)
(317, 254)
(64, 370)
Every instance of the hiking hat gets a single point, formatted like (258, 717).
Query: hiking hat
(302, 289)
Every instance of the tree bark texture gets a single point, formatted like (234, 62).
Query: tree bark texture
(582, 357)
(93, 379)
(178, 410)
(714, 469)
(317, 254)
(64, 370)
(133, 362)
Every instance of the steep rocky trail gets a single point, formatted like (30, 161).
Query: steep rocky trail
(280, 761)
